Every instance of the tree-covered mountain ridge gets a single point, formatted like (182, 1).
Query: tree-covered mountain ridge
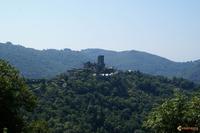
(47, 63)
(93, 100)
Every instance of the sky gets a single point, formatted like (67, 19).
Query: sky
(168, 28)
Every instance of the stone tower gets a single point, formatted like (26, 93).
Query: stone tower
(100, 62)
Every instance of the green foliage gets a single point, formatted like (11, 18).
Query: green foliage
(15, 99)
(178, 111)
(78, 102)
(39, 126)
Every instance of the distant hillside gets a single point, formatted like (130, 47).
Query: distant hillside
(48, 63)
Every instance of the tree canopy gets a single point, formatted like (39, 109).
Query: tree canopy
(81, 102)
(15, 99)
(178, 111)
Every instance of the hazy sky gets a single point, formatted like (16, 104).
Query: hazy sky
(169, 28)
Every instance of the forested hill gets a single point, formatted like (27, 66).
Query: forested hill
(95, 100)
(48, 63)
(83, 102)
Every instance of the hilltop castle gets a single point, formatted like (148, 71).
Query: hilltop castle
(98, 67)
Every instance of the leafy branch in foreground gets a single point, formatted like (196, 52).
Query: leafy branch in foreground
(179, 111)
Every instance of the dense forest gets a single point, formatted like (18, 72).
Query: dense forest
(48, 63)
(86, 101)
(79, 102)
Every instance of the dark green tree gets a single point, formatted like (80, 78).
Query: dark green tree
(178, 111)
(15, 99)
